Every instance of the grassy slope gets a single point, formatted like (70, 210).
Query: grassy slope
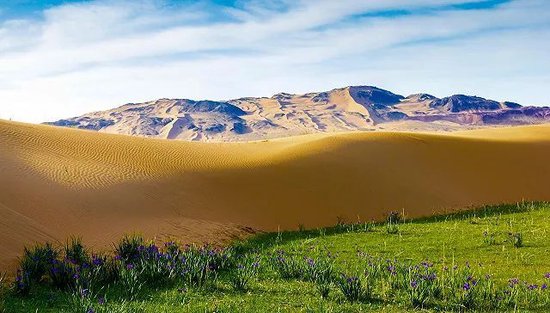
(442, 240)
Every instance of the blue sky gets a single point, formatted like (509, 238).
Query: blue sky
(63, 58)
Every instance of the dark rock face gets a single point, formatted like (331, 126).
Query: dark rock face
(511, 105)
(240, 128)
(380, 98)
(84, 123)
(516, 116)
(460, 103)
(395, 116)
(191, 106)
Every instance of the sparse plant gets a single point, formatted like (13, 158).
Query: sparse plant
(127, 249)
(392, 228)
(22, 283)
(130, 280)
(287, 265)
(394, 217)
(351, 287)
(516, 239)
(246, 269)
(489, 238)
(75, 252)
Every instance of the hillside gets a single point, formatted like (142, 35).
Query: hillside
(344, 109)
(58, 182)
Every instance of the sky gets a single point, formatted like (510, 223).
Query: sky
(61, 58)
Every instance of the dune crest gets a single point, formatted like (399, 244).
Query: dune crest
(57, 182)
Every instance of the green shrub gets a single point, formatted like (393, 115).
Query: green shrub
(127, 249)
(246, 269)
(75, 252)
(351, 287)
(36, 261)
(516, 239)
(288, 266)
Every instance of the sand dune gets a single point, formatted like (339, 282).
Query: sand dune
(57, 182)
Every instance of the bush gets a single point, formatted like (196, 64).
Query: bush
(37, 261)
(321, 272)
(287, 266)
(22, 283)
(75, 252)
(516, 239)
(127, 250)
(246, 269)
(392, 228)
(394, 217)
(130, 281)
(351, 287)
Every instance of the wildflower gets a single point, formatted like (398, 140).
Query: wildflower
(391, 269)
(466, 287)
(84, 292)
(90, 310)
(547, 275)
(414, 284)
(97, 261)
(130, 266)
(532, 287)
(101, 301)
(256, 264)
(513, 281)
(430, 277)
(544, 287)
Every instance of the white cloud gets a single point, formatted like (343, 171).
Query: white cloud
(97, 55)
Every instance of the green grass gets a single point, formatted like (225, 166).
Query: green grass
(481, 238)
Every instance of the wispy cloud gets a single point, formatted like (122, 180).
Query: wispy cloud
(79, 57)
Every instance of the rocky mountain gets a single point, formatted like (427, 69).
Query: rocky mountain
(283, 114)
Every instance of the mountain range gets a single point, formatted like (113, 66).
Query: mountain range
(343, 109)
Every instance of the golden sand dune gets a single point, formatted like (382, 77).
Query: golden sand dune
(57, 182)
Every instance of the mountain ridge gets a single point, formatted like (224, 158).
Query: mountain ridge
(284, 114)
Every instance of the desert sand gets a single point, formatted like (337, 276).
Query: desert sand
(58, 182)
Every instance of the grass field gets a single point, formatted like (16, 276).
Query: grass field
(463, 262)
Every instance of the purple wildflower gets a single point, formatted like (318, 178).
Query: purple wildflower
(547, 275)
(466, 287)
(130, 266)
(544, 287)
(101, 301)
(97, 261)
(532, 287)
(414, 284)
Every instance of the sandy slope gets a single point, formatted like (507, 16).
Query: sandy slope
(57, 182)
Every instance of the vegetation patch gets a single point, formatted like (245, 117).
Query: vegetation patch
(490, 259)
